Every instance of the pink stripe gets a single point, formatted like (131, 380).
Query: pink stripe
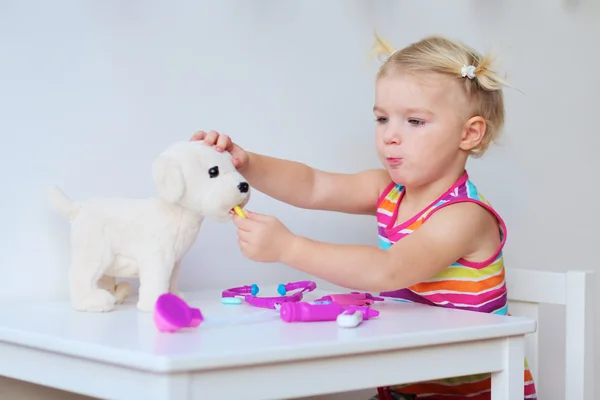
(384, 219)
(395, 229)
(529, 389)
(465, 298)
(436, 396)
(492, 306)
(481, 396)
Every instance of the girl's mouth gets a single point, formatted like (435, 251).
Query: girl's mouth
(394, 161)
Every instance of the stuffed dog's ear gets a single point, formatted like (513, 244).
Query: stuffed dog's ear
(168, 178)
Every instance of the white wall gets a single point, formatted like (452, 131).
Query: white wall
(92, 91)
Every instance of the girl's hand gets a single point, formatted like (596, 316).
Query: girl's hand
(222, 142)
(263, 238)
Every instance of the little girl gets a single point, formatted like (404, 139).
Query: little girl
(437, 102)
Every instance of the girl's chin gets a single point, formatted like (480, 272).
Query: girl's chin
(398, 178)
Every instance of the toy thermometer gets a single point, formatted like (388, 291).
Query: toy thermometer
(306, 312)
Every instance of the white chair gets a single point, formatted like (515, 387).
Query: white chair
(528, 289)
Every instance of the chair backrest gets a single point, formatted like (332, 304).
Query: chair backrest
(528, 289)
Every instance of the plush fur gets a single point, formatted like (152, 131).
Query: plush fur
(147, 238)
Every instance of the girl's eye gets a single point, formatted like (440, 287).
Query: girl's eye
(381, 120)
(415, 122)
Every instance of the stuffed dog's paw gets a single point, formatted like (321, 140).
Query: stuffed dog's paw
(122, 291)
(98, 300)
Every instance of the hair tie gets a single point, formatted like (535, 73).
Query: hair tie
(468, 71)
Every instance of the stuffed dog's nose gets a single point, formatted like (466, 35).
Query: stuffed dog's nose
(243, 187)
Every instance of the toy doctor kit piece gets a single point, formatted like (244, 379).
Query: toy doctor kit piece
(349, 319)
(248, 294)
(172, 313)
(239, 211)
(346, 316)
(353, 298)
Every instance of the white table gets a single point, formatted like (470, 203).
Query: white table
(121, 355)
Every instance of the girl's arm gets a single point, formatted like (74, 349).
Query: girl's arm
(299, 185)
(451, 233)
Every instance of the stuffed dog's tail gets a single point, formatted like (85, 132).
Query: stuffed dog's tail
(62, 203)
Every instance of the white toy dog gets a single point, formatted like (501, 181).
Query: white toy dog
(147, 238)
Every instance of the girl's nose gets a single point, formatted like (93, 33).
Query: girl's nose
(392, 135)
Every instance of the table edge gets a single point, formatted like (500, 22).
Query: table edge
(162, 364)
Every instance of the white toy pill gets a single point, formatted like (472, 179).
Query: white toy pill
(349, 319)
(231, 300)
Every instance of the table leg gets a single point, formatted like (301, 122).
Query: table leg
(170, 387)
(508, 384)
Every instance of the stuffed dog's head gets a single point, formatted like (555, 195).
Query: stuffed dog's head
(201, 179)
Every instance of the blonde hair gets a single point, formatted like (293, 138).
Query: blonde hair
(482, 85)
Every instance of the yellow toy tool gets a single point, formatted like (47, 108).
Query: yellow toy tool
(238, 210)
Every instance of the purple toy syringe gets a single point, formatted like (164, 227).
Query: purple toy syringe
(307, 312)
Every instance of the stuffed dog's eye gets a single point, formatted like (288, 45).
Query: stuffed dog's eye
(213, 172)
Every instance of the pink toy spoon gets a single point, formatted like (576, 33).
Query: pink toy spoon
(172, 313)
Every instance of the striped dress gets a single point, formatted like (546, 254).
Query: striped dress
(474, 286)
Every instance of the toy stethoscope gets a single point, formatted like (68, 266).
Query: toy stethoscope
(249, 292)
(172, 313)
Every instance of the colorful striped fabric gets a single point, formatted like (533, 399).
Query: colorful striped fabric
(465, 285)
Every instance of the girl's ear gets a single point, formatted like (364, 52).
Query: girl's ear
(473, 133)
